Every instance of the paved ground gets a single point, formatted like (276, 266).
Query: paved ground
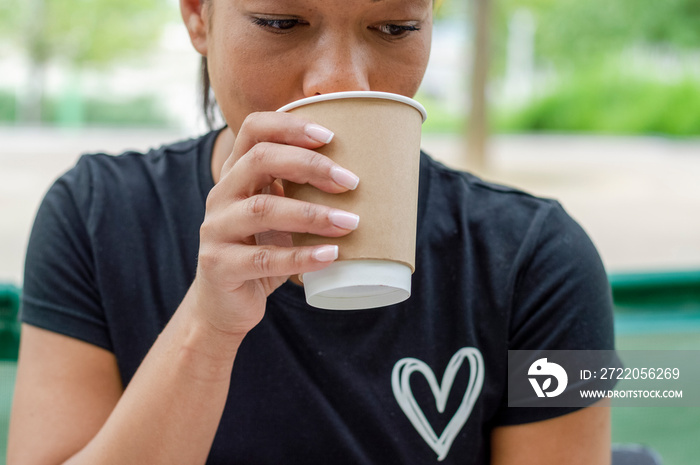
(638, 198)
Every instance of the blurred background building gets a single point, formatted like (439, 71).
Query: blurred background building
(595, 103)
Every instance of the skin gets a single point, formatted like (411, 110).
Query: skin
(69, 393)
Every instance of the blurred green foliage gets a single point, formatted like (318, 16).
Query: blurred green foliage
(445, 9)
(7, 106)
(574, 32)
(76, 34)
(82, 31)
(610, 104)
(581, 45)
(440, 121)
(140, 111)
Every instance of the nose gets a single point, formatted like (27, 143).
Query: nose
(338, 65)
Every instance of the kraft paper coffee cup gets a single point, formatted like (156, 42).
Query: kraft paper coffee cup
(377, 137)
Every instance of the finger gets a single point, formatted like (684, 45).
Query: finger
(268, 161)
(282, 128)
(276, 188)
(244, 262)
(263, 213)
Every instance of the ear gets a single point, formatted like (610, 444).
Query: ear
(195, 14)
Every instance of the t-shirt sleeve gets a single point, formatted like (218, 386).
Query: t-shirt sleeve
(60, 292)
(562, 299)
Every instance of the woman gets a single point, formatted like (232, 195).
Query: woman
(160, 326)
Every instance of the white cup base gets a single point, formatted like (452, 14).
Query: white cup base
(358, 284)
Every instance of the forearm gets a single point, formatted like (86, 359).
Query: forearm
(171, 409)
(578, 438)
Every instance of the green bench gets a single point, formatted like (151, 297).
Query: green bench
(9, 325)
(9, 347)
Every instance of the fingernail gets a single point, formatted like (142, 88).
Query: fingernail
(327, 253)
(344, 220)
(318, 133)
(344, 177)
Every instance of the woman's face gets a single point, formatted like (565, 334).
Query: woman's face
(263, 54)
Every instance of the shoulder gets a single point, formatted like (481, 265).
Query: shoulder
(491, 212)
(132, 177)
(530, 231)
(124, 167)
(527, 250)
(461, 185)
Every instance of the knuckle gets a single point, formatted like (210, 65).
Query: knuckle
(298, 258)
(261, 153)
(208, 258)
(207, 228)
(250, 121)
(317, 162)
(258, 206)
(212, 199)
(309, 213)
(262, 258)
(209, 203)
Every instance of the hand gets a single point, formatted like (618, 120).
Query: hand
(246, 249)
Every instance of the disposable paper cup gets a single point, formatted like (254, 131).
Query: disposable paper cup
(377, 136)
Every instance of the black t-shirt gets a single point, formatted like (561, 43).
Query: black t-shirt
(114, 249)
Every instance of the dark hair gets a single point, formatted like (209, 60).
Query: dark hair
(210, 108)
(209, 105)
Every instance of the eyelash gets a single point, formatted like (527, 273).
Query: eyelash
(283, 25)
(402, 30)
(277, 25)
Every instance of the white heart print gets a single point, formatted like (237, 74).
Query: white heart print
(401, 384)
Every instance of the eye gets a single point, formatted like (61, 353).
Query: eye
(277, 25)
(397, 30)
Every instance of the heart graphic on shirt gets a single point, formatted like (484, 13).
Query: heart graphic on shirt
(401, 385)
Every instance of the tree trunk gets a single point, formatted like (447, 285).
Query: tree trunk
(477, 131)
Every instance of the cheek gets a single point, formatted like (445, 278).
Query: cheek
(421, 61)
(414, 75)
(402, 74)
(244, 76)
(245, 80)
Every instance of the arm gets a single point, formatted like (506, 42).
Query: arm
(69, 394)
(65, 390)
(579, 438)
(562, 302)
(170, 411)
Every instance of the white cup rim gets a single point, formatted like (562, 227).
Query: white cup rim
(357, 94)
